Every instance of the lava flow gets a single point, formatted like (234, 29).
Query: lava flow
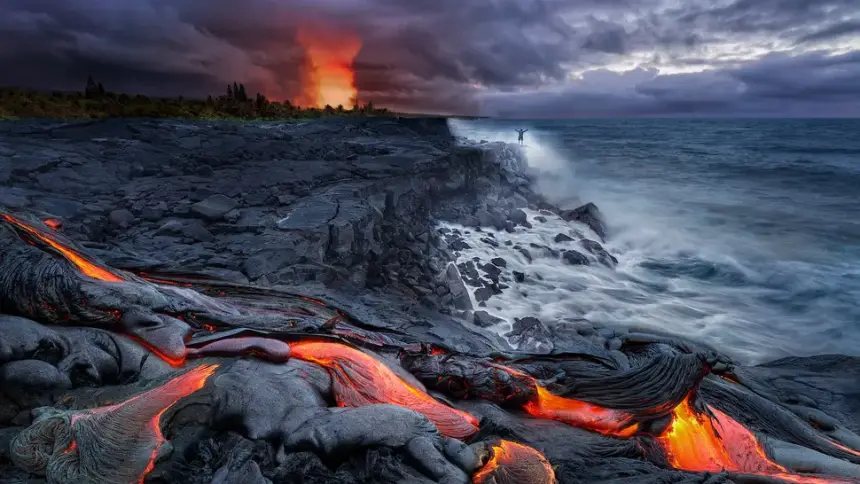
(88, 268)
(577, 413)
(513, 463)
(697, 442)
(110, 444)
(329, 79)
(360, 379)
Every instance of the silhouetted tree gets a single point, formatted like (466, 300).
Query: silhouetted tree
(92, 89)
(242, 96)
(229, 92)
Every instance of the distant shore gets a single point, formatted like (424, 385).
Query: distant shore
(94, 103)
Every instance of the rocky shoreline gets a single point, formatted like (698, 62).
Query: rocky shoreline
(134, 248)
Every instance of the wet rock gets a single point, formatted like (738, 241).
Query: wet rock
(483, 294)
(499, 262)
(525, 253)
(517, 216)
(457, 288)
(562, 238)
(574, 258)
(530, 334)
(589, 215)
(598, 251)
(519, 276)
(213, 207)
(485, 319)
(491, 270)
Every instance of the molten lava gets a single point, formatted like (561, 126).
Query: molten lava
(581, 414)
(360, 379)
(697, 442)
(115, 423)
(576, 412)
(513, 463)
(88, 268)
(329, 78)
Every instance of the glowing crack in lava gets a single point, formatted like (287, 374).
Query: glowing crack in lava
(113, 444)
(329, 78)
(576, 412)
(85, 266)
(360, 379)
(697, 442)
(513, 463)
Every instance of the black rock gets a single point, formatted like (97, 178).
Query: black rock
(517, 216)
(525, 253)
(563, 238)
(574, 258)
(602, 255)
(485, 319)
(589, 215)
(500, 262)
(492, 270)
(530, 334)
(483, 294)
(519, 276)
(214, 207)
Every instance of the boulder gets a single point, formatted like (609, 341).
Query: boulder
(589, 215)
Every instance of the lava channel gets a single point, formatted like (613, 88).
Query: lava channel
(514, 463)
(697, 442)
(131, 431)
(577, 413)
(360, 379)
(88, 268)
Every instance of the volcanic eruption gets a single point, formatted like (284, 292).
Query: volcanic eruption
(328, 78)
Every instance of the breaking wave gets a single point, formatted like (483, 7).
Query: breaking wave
(705, 251)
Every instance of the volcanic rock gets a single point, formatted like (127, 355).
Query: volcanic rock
(574, 258)
(589, 215)
(213, 207)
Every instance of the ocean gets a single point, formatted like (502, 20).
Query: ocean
(742, 234)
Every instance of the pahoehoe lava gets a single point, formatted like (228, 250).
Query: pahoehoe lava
(125, 373)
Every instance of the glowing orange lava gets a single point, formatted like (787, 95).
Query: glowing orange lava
(576, 412)
(697, 442)
(53, 223)
(88, 268)
(151, 405)
(360, 379)
(329, 78)
(513, 463)
(844, 448)
(581, 414)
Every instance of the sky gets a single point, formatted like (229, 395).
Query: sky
(509, 58)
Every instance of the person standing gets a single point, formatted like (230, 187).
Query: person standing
(520, 133)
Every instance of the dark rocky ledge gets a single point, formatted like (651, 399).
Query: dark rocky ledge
(228, 303)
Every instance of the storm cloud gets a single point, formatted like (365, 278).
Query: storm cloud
(530, 58)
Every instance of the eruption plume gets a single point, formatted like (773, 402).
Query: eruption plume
(329, 78)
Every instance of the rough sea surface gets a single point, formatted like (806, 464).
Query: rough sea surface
(744, 234)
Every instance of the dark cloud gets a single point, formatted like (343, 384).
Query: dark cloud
(510, 57)
(814, 84)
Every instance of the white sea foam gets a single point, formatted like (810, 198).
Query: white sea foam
(633, 295)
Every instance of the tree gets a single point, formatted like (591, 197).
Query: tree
(235, 90)
(92, 89)
(242, 95)
(229, 92)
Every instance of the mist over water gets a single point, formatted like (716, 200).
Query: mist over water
(744, 234)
